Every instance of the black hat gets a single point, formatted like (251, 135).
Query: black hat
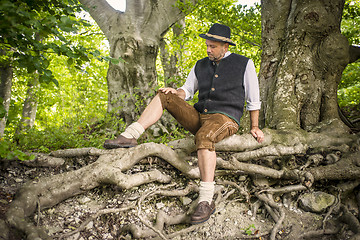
(218, 32)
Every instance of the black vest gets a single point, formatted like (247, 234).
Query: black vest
(221, 87)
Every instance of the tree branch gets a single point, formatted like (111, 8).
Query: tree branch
(102, 13)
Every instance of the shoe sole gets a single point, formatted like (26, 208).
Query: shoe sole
(113, 146)
(203, 220)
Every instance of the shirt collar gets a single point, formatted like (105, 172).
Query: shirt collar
(227, 54)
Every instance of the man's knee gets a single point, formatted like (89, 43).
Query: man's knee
(165, 98)
(203, 141)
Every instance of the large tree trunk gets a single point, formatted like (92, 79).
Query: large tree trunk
(30, 103)
(5, 90)
(133, 36)
(169, 59)
(303, 57)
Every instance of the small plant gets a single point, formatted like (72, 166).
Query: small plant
(249, 229)
(10, 152)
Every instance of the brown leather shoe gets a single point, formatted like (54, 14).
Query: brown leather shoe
(120, 142)
(202, 212)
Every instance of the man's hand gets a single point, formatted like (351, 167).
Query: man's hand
(179, 92)
(258, 134)
(255, 130)
(167, 90)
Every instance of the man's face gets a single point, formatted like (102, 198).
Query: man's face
(216, 50)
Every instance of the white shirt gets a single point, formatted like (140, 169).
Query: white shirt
(251, 86)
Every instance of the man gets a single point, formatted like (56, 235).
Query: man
(225, 81)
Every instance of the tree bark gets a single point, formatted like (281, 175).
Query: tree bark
(5, 90)
(30, 104)
(169, 59)
(303, 57)
(134, 36)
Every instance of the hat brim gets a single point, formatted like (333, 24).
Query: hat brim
(213, 38)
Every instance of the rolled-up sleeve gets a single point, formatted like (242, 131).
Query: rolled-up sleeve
(190, 86)
(251, 85)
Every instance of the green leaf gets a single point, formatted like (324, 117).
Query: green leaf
(84, 58)
(30, 67)
(70, 61)
(48, 73)
(46, 63)
(96, 53)
(115, 61)
(44, 78)
(55, 82)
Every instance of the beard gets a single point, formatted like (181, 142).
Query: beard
(215, 58)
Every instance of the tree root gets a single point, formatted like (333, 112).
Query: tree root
(318, 233)
(283, 190)
(162, 218)
(240, 189)
(341, 170)
(43, 160)
(106, 170)
(344, 215)
(234, 143)
(347, 217)
(287, 142)
(273, 150)
(81, 152)
(111, 165)
(93, 217)
(278, 217)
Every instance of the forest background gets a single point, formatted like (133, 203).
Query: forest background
(64, 90)
(63, 73)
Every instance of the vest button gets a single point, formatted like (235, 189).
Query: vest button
(212, 89)
(205, 110)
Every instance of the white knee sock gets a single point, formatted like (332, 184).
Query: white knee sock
(134, 130)
(206, 191)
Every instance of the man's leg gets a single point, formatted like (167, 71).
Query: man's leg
(151, 115)
(207, 164)
(206, 206)
(181, 110)
(214, 127)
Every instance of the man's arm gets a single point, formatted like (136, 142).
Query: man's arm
(255, 130)
(181, 93)
(252, 96)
